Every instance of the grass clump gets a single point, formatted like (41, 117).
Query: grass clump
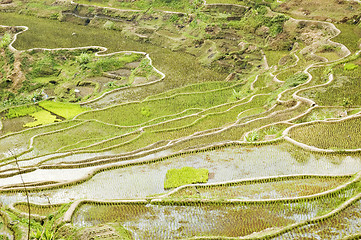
(65, 110)
(21, 111)
(186, 175)
(42, 117)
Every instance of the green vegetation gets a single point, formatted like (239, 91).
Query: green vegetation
(350, 66)
(21, 111)
(330, 135)
(5, 40)
(186, 175)
(41, 118)
(296, 79)
(122, 122)
(65, 110)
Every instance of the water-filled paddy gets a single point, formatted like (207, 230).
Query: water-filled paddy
(224, 164)
(170, 222)
(343, 224)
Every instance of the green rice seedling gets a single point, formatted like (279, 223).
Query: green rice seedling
(140, 112)
(252, 136)
(5, 41)
(85, 131)
(21, 111)
(22, 139)
(329, 135)
(186, 175)
(65, 110)
(42, 117)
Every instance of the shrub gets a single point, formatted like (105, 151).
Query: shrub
(109, 25)
(83, 58)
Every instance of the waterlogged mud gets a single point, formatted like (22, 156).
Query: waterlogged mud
(171, 222)
(263, 190)
(344, 224)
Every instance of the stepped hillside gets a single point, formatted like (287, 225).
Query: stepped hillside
(177, 119)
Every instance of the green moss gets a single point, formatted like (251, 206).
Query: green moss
(65, 110)
(185, 175)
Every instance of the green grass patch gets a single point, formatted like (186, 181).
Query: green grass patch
(296, 79)
(21, 111)
(65, 110)
(42, 117)
(350, 66)
(185, 175)
(330, 135)
(350, 36)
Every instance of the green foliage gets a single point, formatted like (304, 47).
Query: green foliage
(21, 111)
(145, 112)
(44, 67)
(276, 24)
(83, 58)
(42, 117)
(65, 110)
(5, 41)
(252, 136)
(350, 66)
(186, 175)
(296, 79)
(111, 63)
(109, 25)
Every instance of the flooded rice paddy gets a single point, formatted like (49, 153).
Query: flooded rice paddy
(233, 163)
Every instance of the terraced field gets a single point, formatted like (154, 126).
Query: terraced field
(103, 100)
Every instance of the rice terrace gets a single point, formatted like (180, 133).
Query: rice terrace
(180, 119)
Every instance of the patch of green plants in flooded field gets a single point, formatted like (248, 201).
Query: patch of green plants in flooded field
(186, 175)
(261, 189)
(42, 210)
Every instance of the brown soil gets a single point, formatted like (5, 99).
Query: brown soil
(17, 75)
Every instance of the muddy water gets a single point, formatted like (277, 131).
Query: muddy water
(346, 223)
(14, 125)
(173, 222)
(264, 190)
(224, 164)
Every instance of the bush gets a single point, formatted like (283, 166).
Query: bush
(109, 25)
(83, 58)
